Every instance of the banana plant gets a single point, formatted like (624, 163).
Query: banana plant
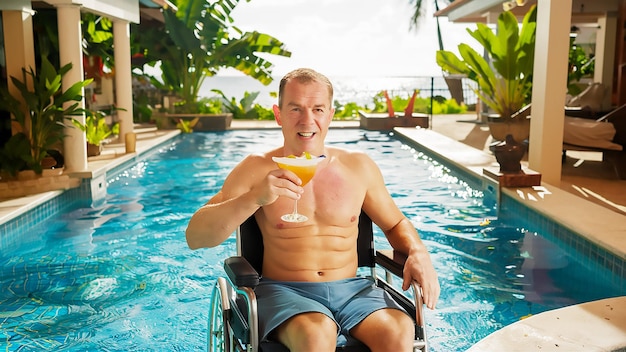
(244, 109)
(42, 115)
(186, 126)
(95, 127)
(505, 82)
(197, 41)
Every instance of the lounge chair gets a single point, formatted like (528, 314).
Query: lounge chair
(588, 103)
(606, 134)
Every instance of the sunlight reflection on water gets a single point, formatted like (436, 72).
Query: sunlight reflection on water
(120, 276)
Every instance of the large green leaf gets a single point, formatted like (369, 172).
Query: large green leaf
(199, 40)
(45, 105)
(505, 81)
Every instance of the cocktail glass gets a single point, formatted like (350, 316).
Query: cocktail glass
(304, 167)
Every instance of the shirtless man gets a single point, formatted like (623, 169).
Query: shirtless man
(318, 255)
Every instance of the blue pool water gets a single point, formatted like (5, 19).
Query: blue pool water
(118, 276)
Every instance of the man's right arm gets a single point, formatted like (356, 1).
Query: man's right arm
(214, 222)
(247, 188)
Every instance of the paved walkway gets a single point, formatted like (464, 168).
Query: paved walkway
(584, 173)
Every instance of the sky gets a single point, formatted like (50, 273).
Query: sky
(350, 37)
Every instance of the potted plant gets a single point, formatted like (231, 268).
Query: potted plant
(41, 119)
(186, 126)
(96, 130)
(12, 155)
(504, 83)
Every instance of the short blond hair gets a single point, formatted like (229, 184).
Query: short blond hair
(304, 75)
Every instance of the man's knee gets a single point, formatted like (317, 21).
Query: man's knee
(386, 330)
(399, 329)
(308, 332)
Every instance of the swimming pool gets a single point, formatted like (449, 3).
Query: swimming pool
(118, 276)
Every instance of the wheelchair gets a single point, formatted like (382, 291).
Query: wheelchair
(232, 323)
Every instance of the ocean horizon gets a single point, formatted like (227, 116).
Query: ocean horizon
(360, 90)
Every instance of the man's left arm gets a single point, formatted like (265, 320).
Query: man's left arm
(401, 234)
(418, 266)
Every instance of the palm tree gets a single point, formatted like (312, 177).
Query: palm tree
(454, 84)
(197, 41)
(419, 13)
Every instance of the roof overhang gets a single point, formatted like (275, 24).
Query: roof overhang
(152, 9)
(126, 10)
(474, 11)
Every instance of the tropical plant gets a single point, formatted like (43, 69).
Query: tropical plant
(12, 155)
(416, 18)
(263, 113)
(245, 108)
(579, 65)
(418, 14)
(95, 127)
(41, 119)
(98, 37)
(196, 42)
(186, 126)
(242, 109)
(504, 83)
(211, 105)
(347, 111)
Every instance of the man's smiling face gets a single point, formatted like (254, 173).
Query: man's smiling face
(304, 116)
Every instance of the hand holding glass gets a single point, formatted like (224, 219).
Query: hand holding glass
(304, 168)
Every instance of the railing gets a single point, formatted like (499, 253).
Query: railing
(362, 90)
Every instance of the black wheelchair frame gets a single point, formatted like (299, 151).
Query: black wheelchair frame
(233, 325)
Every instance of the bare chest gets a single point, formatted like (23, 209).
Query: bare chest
(332, 198)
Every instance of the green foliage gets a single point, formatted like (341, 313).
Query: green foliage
(12, 155)
(579, 65)
(398, 102)
(505, 85)
(448, 106)
(349, 111)
(422, 105)
(42, 118)
(263, 113)
(210, 106)
(186, 126)
(199, 40)
(380, 104)
(241, 109)
(96, 30)
(98, 37)
(141, 110)
(95, 127)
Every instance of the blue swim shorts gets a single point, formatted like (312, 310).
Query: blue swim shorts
(347, 302)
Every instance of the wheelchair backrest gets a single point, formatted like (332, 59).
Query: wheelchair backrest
(250, 242)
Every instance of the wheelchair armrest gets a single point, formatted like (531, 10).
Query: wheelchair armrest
(240, 272)
(391, 260)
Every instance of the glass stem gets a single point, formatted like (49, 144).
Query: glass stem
(295, 207)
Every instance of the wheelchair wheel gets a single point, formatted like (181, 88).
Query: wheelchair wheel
(219, 331)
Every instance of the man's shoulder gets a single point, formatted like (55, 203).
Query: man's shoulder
(343, 152)
(260, 157)
(350, 157)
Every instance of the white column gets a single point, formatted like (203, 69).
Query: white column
(605, 55)
(19, 49)
(123, 76)
(70, 50)
(549, 88)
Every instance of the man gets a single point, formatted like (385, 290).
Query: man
(317, 258)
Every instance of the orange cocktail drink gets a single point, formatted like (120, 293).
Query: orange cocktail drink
(305, 173)
(304, 167)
